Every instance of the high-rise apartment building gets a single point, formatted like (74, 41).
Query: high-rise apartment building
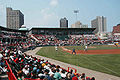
(100, 24)
(63, 23)
(15, 18)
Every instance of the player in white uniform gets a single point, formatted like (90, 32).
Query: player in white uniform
(86, 47)
(56, 48)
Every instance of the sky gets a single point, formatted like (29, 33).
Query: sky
(47, 13)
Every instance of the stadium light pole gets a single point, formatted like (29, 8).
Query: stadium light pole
(76, 12)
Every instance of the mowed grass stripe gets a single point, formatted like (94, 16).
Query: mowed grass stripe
(110, 61)
(93, 47)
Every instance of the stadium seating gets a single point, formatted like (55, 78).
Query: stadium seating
(22, 66)
(45, 40)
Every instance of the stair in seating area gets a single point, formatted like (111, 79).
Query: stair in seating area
(32, 36)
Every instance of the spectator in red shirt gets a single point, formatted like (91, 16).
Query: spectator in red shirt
(75, 77)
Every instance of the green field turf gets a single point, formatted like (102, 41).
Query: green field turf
(96, 47)
(107, 63)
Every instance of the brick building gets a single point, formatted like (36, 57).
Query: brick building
(116, 29)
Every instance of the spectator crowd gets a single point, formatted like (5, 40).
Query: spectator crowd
(73, 40)
(27, 67)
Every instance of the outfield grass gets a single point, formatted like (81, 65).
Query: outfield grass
(96, 47)
(107, 63)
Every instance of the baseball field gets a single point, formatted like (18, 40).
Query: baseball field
(102, 58)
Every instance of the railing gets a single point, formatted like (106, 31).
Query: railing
(10, 74)
(31, 79)
(72, 69)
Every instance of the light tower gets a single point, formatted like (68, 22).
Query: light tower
(76, 12)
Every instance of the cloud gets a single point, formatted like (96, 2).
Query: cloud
(49, 17)
(54, 2)
(45, 10)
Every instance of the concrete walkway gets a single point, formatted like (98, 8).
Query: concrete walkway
(88, 72)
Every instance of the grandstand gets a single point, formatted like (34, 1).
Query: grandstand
(11, 38)
(62, 36)
(11, 35)
(68, 36)
(62, 31)
(13, 44)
